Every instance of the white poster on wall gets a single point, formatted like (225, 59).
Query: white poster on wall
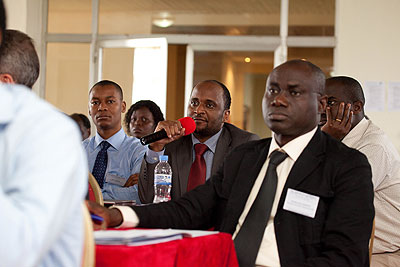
(374, 95)
(393, 94)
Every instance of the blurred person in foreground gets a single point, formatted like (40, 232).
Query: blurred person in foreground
(300, 198)
(43, 180)
(19, 62)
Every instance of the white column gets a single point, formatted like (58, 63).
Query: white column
(188, 75)
(94, 51)
(280, 54)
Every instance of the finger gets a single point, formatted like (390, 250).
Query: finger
(135, 179)
(348, 124)
(168, 131)
(339, 115)
(128, 183)
(328, 116)
(346, 114)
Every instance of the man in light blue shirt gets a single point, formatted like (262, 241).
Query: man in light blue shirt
(124, 154)
(43, 181)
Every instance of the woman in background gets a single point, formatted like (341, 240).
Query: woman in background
(142, 118)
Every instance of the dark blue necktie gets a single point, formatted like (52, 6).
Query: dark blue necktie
(248, 240)
(100, 165)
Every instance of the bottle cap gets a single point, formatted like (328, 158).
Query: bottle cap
(164, 158)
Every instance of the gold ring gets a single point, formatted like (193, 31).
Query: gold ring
(339, 120)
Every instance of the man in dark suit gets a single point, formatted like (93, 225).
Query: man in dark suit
(209, 106)
(322, 199)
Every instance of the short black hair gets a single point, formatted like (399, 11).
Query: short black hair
(81, 117)
(153, 107)
(352, 88)
(108, 82)
(227, 94)
(18, 58)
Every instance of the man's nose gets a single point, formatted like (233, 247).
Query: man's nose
(280, 99)
(102, 106)
(199, 108)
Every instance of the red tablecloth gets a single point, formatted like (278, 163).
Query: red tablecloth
(212, 250)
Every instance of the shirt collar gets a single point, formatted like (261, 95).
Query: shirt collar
(9, 95)
(295, 147)
(210, 142)
(357, 131)
(115, 140)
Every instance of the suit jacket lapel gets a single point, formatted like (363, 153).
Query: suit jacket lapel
(250, 166)
(223, 146)
(184, 161)
(307, 162)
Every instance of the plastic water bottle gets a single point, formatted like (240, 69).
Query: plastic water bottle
(162, 180)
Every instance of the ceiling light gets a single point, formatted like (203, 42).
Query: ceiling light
(247, 60)
(163, 20)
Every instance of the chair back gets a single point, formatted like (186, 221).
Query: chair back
(88, 255)
(95, 190)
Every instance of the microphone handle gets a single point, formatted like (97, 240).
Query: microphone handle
(145, 140)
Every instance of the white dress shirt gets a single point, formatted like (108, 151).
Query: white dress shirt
(385, 164)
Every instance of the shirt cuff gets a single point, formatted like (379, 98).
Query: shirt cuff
(129, 217)
(153, 156)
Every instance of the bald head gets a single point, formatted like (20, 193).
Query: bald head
(316, 75)
(293, 99)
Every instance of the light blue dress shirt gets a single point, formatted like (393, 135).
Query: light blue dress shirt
(152, 156)
(43, 181)
(125, 156)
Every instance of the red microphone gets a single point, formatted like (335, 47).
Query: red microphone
(186, 122)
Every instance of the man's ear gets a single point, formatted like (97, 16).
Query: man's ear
(6, 78)
(358, 107)
(322, 104)
(123, 106)
(226, 115)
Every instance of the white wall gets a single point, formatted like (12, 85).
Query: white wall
(27, 16)
(368, 49)
(16, 14)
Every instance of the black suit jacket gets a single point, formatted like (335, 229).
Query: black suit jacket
(340, 176)
(180, 158)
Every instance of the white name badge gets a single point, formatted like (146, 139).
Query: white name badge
(115, 179)
(301, 203)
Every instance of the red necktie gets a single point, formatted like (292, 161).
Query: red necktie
(197, 175)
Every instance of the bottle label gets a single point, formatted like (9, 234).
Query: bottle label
(162, 179)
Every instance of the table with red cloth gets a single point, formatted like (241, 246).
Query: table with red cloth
(210, 250)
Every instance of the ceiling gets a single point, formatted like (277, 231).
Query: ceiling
(269, 7)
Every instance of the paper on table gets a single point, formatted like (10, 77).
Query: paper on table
(137, 237)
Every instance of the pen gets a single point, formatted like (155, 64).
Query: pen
(96, 218)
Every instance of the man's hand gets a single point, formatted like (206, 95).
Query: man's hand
(112, 217)
(174, 131)
(132, 180)
(338, 125)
